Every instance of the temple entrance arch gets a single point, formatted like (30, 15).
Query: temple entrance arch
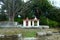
(35, 22)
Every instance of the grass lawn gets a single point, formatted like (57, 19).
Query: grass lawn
(24, 32)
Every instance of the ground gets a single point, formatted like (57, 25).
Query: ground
(24, 32)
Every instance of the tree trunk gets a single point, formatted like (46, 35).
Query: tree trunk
(11, 11)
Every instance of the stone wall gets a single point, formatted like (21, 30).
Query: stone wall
(48, 36)
(11, 37)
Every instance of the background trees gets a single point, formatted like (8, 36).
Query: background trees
(30, 9)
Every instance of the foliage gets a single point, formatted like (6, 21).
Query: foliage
(3, 17)
(41, 6)
(54, 14)
(19, 20)
(53, 23)
(43, 20)
(46, 21)
(12, 7)
(31, 9)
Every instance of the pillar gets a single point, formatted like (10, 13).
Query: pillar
(29, 23)
(38, 23)
(24, 23)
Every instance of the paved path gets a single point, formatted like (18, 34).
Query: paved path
(32, 38)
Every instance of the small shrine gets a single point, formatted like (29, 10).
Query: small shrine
(26, 22)
(31, 22)
(35, 22)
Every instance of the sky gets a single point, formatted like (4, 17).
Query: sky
(55, 3)
(26, 0)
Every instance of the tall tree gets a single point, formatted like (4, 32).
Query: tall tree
(12, 7)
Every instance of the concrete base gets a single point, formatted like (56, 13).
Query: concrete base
(41, 26)
(8, 24)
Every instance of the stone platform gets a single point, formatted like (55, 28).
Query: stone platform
(8, 24)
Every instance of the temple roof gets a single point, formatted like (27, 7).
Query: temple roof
(31, 18)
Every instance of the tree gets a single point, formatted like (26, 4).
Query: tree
(12, 6)
(30, 9)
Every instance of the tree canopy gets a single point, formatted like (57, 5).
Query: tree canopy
(30, 9)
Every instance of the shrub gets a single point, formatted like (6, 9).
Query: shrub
(19, 20)
(46, 21)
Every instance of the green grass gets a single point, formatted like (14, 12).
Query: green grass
(29, 33)
(24, 32)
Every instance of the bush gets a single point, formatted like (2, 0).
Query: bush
(19, 20)
(43, 20)
(53, 23)
(46, 21)
(3, 17)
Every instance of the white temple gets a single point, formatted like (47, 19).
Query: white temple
(31, 22)
(26, 22)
